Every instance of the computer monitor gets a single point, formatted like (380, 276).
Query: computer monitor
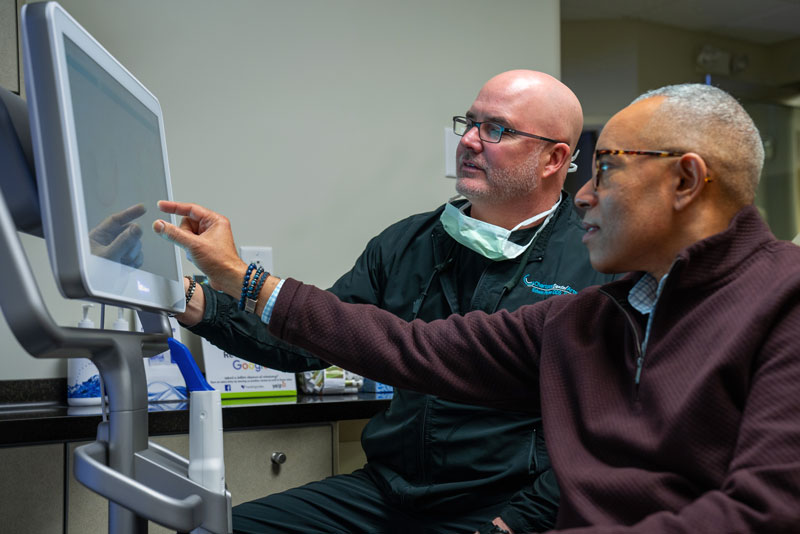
(101, 166)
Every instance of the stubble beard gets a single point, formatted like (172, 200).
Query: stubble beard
(503, 185)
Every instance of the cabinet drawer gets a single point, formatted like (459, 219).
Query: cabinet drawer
(250, 472)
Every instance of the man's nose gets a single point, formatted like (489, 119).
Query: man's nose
(586, 197)
(472, 139)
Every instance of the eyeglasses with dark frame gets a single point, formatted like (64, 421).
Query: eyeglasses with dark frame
(491, 132)
(598, 174)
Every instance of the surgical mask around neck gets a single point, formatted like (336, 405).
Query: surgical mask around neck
(486, 239)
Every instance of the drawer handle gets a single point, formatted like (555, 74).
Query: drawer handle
(278, 457)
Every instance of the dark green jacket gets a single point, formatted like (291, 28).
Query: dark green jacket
(433, 455)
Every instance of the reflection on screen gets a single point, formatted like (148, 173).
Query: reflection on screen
(122, 167)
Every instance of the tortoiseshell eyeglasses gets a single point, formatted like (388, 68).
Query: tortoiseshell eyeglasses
(601, 166)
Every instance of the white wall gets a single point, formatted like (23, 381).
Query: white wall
(312, 124)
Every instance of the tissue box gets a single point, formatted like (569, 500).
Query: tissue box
(370, 386)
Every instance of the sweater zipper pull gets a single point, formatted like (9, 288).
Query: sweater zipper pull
(639, 362)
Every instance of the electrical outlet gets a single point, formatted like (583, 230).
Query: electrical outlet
(261, 256)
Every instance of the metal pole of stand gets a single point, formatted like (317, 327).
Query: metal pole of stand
(127, 428)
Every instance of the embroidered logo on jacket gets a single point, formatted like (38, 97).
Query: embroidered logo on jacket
(548, 289)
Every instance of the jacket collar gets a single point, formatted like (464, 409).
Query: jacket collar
(717, 257)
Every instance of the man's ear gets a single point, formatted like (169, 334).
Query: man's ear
(560, 156)
(691, 179)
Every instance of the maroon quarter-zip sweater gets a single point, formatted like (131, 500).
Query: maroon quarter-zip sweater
(707, 441)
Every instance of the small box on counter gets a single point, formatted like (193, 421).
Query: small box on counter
(330, 381)
(371, 386)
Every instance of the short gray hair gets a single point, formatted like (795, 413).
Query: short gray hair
(713, 123)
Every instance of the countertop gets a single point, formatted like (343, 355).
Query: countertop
(34, 423)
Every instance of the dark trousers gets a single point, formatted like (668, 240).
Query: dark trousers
(348, 504)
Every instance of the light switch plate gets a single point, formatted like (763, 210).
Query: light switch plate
(451, 141)
(261, 256)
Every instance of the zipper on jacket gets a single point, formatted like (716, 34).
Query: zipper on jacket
(639, 363)
(649, 326)
(633, 325)
(423, 449)
(437, 270)
(535, 454)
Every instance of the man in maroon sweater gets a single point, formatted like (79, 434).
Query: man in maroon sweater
(669, 397)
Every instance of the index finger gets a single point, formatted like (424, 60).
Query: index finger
(184, 209)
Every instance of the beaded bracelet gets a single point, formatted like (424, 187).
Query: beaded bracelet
(190, 290)
(260, 285)
(254, 282)
(245, 284)
(255, 288)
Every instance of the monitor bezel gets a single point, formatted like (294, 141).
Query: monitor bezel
(79, 273)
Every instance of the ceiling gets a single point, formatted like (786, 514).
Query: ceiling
(758, 21)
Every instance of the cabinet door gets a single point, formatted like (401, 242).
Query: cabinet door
(32, 489)
(250, 472)
(9, 57)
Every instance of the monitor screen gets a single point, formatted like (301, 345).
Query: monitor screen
(119, 150)
(101, 166)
